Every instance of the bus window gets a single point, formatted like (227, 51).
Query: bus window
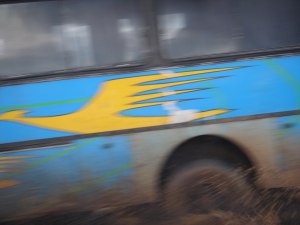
(269, 24)
(47, 36)
(193, 28)
(103, 32)
(28, 41)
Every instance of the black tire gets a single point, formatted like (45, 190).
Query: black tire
(208, 185)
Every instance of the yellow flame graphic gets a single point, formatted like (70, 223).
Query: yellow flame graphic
(102, 112)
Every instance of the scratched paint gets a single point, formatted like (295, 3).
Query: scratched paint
(176, 115)
(80, 169)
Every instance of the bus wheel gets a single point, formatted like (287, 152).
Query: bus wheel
(208, 185)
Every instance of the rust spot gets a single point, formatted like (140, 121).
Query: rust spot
(8, 183)
(10, 161)
(15, 157)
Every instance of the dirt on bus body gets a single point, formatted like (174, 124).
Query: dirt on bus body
(275, 207)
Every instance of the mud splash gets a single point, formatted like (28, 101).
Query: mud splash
(153, 214)
(271, 207)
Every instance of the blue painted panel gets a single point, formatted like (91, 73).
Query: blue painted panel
(83, 170)
(250, 87)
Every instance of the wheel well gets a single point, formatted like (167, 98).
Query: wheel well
(206, 147)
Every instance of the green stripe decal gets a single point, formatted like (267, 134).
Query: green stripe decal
(58, 154)
(44, 104)
(292, 82)
(288, 77)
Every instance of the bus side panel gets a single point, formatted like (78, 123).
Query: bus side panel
(93, 172)
(149, 98)
(244, 90)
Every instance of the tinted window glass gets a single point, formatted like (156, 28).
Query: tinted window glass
(48, 36)
(102, 32)
(29, 41)
(270, 24)
(191, 28)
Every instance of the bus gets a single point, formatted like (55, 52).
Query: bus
(105, 104)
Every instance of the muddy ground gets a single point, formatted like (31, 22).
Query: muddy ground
(273, 209)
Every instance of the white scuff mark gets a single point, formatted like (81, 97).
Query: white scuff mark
(167, 73)
(178, 115)
(213, 117)
(168, 92)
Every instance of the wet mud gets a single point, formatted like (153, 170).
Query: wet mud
(273, 207)
(276, 208)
